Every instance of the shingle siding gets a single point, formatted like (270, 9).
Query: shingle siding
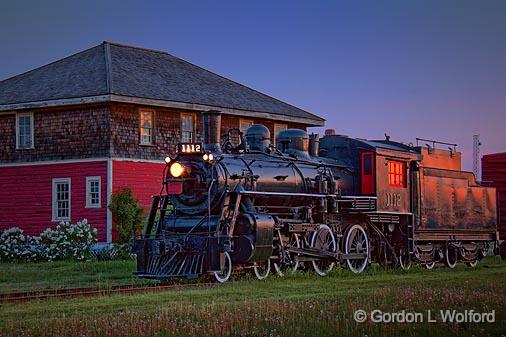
(59, 135)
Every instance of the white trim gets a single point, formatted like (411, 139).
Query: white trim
(54, 211)
(24, 114)
(161, 103)
(109, 195)
(84, 160)
(88, 192)
(140, 160)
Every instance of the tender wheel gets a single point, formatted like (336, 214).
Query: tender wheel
(430, 265)
(451, 257)
(357, 242)
(262, 269)
(323, 239)
(472, 264)
(291, 259)
(224, 275)
(404, 259)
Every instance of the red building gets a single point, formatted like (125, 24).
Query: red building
(75, 130)
(494, 172)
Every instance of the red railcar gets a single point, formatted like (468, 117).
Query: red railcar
(494, 173)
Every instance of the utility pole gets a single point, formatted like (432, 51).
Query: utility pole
(476, 156)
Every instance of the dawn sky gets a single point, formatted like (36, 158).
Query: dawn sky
(432, 69)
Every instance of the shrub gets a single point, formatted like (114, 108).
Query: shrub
(16, 246)
(69, 241)
(127, 215)
(66, 241)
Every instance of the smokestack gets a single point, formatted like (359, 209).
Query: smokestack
(314, 144)
(212, 130)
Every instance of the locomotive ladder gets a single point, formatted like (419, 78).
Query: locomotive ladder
(411, 233)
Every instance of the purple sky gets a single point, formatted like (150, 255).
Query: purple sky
(431, 69)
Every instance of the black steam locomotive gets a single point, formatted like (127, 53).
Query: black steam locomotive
(311, 203)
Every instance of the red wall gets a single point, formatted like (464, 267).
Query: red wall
(26, 193)
(145, 180)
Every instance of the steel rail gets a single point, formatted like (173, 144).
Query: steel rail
(88, 292)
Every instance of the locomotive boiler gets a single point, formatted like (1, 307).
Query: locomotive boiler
(238, 202)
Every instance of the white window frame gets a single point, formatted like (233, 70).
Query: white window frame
(24, 114)
(88, 192)
(152, 112)
(248, 121)
(192, 137)
(54, 203)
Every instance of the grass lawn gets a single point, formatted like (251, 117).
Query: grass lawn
(298, 305)
(17, 277)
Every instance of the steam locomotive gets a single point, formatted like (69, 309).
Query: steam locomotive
(311, 203)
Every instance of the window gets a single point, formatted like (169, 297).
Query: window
(146, 127)
(244, 125)
(396, 173)
(24, 131)
(93, 192)
(61, 199)
(368, 178)
(186, 128)
(277, 129)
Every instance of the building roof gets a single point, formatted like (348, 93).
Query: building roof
(114, 72)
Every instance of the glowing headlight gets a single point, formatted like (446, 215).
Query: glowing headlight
(176, 170)
(211, 157)
(205, 157)
(167, 160)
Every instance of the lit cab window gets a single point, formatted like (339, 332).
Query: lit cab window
(396, 173)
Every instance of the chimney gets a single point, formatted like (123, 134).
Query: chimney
(212, 130)
(330, 132)
(314, 144)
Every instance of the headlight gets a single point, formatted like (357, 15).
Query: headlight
(167, 160)
(176, 170)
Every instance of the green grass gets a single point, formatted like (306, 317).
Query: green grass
(18, 277)
(298, 305)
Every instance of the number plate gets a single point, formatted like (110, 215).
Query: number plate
(190, 148)
(174, 187)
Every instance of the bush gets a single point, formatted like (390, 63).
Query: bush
(15, 245)
(69, 241)
(127, 215)
(66, 241)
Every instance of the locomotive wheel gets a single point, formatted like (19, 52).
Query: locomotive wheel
(472, 264)
(292, 260)
(323, 239)
(430, 265)
(451, 257)
(357, 242)
(224, 275)
(262, 269)
(404, 259)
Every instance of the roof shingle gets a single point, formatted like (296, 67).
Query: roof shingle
(115, 69)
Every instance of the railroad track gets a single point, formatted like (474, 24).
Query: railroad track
(87, 292)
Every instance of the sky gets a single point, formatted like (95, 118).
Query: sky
(429, 69)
